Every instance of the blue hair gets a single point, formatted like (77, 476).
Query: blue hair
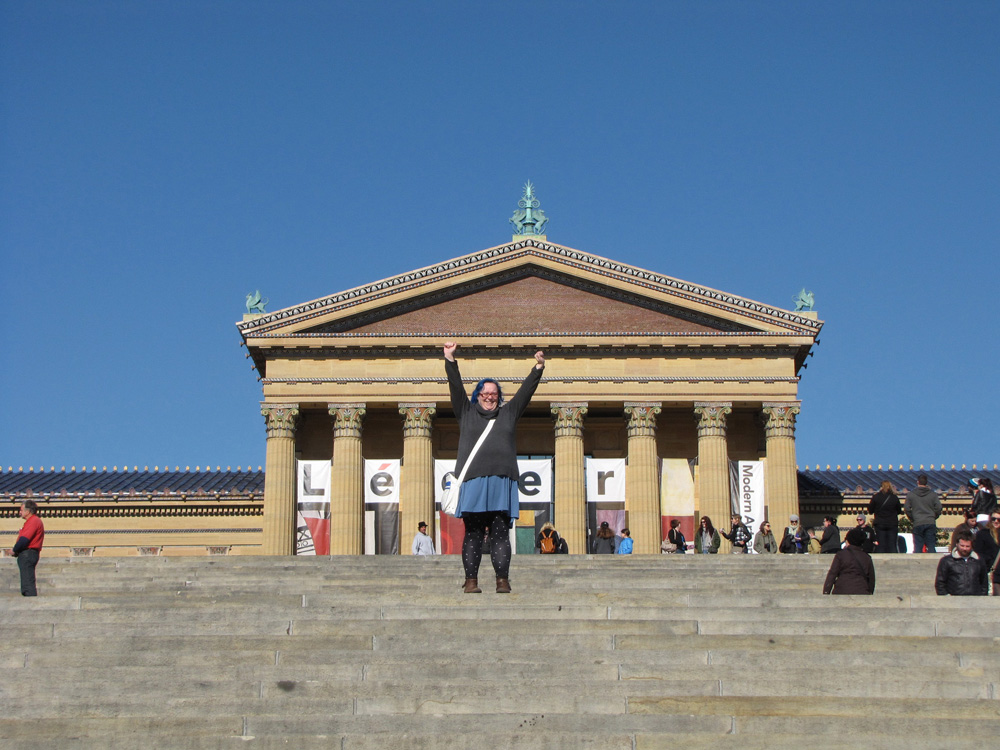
(479, 387)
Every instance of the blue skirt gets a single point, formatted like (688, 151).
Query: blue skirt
(486, 494)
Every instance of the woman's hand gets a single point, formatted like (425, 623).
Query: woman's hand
(539, 360)
(449, 350)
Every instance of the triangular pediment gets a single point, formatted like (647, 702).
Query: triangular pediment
(526, 288)
(525, 301)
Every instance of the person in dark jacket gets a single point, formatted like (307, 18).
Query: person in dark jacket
(795, 540)
(604, 540)
(970, 524)
(985, 501)
(852, 570)
(739, 536)
(868, 531)
(830, 543)
(986, 543)
(675, 542)
(548, 540)
(923, 508)
(886, 509)
(488, 498)
(962, 573)
(706, 539)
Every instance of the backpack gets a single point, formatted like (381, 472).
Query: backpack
(548, 542)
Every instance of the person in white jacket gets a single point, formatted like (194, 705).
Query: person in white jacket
(422, 544)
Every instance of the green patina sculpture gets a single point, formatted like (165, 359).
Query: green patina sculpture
(256, 303)
(528, 219)
(804, 300)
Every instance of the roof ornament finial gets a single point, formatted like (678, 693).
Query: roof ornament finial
(528, 219)
(804, 301)
(256, 303)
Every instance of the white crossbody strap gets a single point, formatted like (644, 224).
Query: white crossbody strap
(475, 449)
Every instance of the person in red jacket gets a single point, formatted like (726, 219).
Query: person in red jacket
(29, 546)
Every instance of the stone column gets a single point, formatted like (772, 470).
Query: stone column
(713, 465)
(642, 478)
(781, 480)
(347, 497)
(571, 495)
(416, 480)
(279, 479)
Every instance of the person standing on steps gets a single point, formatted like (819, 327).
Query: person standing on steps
(28, 546)
(886, 508)
(422, 543)
(830, 543)
(604, 540)
(739, 536)
(763, 541)
(923, 508)
(852, 570)
(625, 545)
(488, 497)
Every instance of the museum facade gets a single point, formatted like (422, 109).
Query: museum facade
(640, 367)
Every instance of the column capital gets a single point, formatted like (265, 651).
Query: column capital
(569, 418)
(280, 419)
(347, 419)
(417, 419)
(642, 417)
(712, 417)
(780, 418)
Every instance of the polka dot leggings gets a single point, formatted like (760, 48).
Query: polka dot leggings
(472, 546)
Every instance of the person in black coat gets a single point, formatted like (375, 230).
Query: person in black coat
(963, 572)
(986, 542)
(830, 543)
(985, 501)
(852, 570)
(869, 532)
(886, 508)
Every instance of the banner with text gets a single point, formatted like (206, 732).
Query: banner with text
(312, 534)
(382, 480)
(746, 483)
(605, 480)
(382, 506)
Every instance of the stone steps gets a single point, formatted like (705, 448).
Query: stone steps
(642, 652)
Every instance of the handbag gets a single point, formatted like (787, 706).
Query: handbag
(449, 498)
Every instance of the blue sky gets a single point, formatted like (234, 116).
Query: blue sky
(161, 160)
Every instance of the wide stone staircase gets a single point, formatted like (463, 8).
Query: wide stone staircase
(594, 652)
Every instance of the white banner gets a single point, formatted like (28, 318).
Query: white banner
(676, 488)
(533, 486)
(313, 500)
(605, 480)
(750, 493)
(535, 483)
(382, 480)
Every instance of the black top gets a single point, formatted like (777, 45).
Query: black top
(497, 456)
(886, 508)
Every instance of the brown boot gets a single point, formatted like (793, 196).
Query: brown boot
(503, 586)
(472, 586)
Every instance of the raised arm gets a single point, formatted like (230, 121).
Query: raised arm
(523, 396)
(459, 399)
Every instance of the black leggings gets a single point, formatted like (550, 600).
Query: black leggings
(472, 546)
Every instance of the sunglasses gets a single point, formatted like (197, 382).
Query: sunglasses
(995, 518)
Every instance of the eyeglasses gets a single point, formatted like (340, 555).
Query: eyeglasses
(488, 396)
(995, 518)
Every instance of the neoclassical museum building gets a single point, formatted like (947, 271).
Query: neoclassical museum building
(661, 399)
